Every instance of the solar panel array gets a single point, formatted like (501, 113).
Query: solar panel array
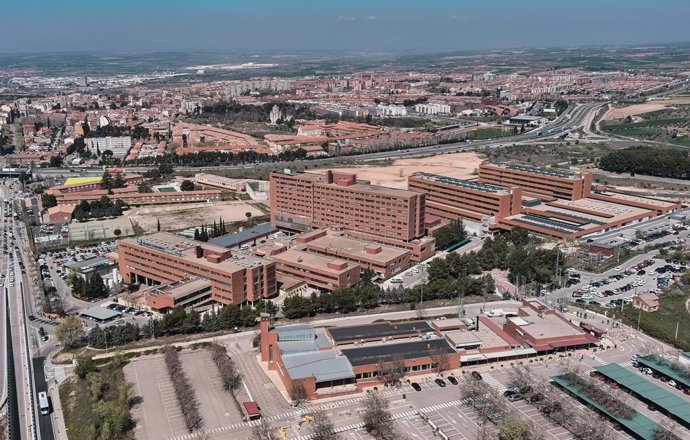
(485, 187)
(552, 173)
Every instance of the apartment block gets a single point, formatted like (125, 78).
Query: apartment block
(539, 182)
(304, 201)
(455, 199)
(163, 258)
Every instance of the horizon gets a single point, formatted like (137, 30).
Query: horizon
(299, 26)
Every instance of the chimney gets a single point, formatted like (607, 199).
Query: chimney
(199, 251)
(329, 176)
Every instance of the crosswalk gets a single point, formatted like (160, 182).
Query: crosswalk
(326, 406)
(493, 382)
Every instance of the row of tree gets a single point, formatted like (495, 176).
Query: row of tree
(662, 162)
(450, 234)
(186, 395)
(104, 207)
(205, 233)
(88, 289)
(110, 182)
(221, 158)
(229, 375)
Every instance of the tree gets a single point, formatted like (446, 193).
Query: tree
(392, 371)
(298, 393)
(158, 225)
(70, 331)
(442, 361)
(322, 427)
(106, 181)
(248, 215)
(119, 181)
(85, 365)
(263, 432)
(378, 421)
(187, 185)
(48, 200)
(117, 232)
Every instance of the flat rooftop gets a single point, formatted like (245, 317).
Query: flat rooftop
(534, 170)
(184, 248)
(100, 313)
(462, 183)
(547, 325)
(639, 199)
(610, 212)
(390, 351)
(358, 186)
(230, 240)
(379, 330)
(184, 288)
(313, 261)
(356, 248)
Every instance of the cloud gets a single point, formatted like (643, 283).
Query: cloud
(372, 17)
(344, 19)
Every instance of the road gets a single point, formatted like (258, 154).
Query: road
(573, 118)
(24, 338)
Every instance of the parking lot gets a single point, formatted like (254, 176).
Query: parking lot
(651, 275)
(158, 416)
(215, 405)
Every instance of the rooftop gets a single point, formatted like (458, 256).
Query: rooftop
(461, 183)
(545, 325)
(314, 261)
(379, 330)
(375, 353)
(352, 247)
(100, 313)
(184, 248)
(230, 240)
(324, 365)
(544, 171)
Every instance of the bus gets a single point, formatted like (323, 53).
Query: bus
(44, 403)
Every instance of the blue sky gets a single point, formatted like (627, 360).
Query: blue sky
(335, 25)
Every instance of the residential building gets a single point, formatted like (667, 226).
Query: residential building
(647, 302)
(119, 145)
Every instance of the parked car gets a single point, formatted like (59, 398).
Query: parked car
(452, 380)
(440, 382)
(476, 375)
(416, 386)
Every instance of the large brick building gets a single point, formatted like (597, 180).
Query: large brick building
(163, 258)
(302, 201)
(454, 199)
(538, 181)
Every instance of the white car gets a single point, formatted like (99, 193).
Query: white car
(588, 296)
(619, 268)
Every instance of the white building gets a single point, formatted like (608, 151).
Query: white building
(120, 145)
(432, 108)
(390, 110)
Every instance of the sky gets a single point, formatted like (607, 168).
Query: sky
(335, 26)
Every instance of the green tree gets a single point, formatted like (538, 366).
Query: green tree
(70, 331)
(117, 232)
(187, 185)
(107, 180)
(85, 365)
(48, 200)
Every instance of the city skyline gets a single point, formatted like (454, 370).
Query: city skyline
(355, 26)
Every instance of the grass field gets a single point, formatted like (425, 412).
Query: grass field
(80, 180)
(662, 323)
(488, 133)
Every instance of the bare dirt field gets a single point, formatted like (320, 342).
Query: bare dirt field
(646, 107)
(158, 416)
(458, 165)
(99, 229)
(216, 406)
(183, 216)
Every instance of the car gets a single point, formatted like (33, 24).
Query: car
(476, 375)
(452, 380)
(619, 268)
(536, 397)
(513, 395)
(672, 383)
(32, 318)
(651, 407)
(440, 382)
(416, 386)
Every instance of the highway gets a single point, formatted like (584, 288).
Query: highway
(23, 340)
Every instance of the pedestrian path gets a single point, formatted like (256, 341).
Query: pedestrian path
(493, 382)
